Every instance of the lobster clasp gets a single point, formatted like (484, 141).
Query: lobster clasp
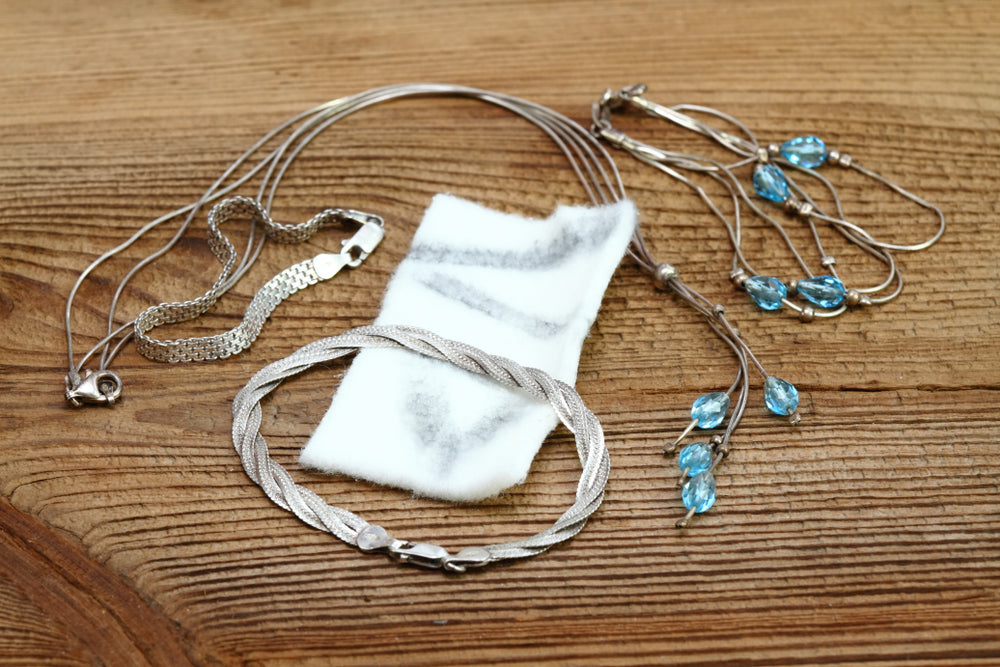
(420, 553)
(365, 240)
(374, 538)
(94, 387)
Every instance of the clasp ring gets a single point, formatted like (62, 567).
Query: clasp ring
(101, 386)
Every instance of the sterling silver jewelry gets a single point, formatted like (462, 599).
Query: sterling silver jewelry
(589, 160)
(824, 295)
(352, 529)
(591, 163)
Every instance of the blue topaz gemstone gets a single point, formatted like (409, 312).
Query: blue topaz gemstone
(710, 409)
(698, 493)
(824, 291)
(766, 291)
(770, 183)
(695, 459)
(807, 151)
(782, 398)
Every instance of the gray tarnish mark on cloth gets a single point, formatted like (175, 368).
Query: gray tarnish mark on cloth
(553, 253)
(478, 300)
(429, 412)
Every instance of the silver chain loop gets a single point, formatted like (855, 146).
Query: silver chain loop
(276, 482)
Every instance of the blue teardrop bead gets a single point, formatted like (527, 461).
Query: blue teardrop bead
(766, 291)
(807, 151)
(770, 183)
(824, 291)
(699, 492)
(782, 398)
(695, 458)
(710, 409)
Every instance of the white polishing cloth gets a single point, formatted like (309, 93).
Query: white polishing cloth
(515, 287)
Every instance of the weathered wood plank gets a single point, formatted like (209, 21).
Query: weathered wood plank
(868, 535)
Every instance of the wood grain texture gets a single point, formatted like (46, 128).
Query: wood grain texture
(869, 535)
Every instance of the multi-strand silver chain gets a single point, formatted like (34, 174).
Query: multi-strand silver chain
(279, 148)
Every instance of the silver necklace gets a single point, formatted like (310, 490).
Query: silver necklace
(271, 156)
(274, 153)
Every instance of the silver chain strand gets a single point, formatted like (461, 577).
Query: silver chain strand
(279, 486)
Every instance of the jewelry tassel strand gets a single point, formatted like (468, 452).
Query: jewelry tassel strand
(826, 294)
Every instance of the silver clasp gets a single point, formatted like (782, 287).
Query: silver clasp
(100, 387)
(365, 240)
(600, 111)
(353, 250)
(420, 553)
(375, 538)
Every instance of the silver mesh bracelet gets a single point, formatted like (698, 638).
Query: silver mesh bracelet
(352, 529)
(276, 290)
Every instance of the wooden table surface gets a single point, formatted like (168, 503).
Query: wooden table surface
(869, 534)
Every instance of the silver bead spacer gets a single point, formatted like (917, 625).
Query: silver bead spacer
(839, 159)
(792, 205)
(793, 286)
(665, 273)
(852, 297)
(763, 156)
(773, 150)
(739, 277)
(719, 309)
(807, 314)
(828, 261)
(719, 444)
(805, 209)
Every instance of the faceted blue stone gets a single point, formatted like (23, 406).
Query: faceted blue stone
(766, 291)
(824, 291)
(710, 409)
(699, 492)
(782, 398)
(770, 183)
(695, 458)
(808, 151)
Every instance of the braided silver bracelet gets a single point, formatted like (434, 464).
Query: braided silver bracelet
(352, 529)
